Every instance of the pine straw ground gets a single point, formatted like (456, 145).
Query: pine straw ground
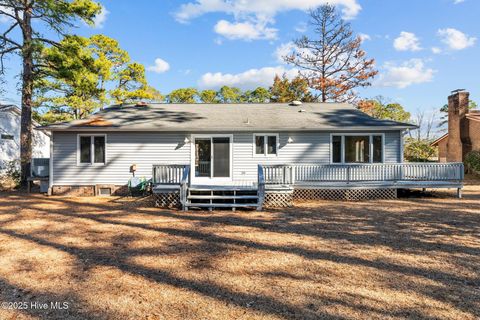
(115, 258)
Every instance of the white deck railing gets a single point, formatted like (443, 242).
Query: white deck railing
(167, 173)
(381, 172)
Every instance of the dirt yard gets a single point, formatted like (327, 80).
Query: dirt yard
(114, 258)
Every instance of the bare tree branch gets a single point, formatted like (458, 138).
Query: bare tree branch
(334, 64)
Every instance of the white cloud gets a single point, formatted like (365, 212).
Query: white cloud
(301, 27)
(249, 79)
(255, 16)
(407, 41)
(101, 18)
(283, 50)
(244, 30)
(259, 8)
(436, 50)
(288, 48)
(160, 66)
(455, 39)
(364, 37)
(458, 1)
(405, 74)
(4, 18)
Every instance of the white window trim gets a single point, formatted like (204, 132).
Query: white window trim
(265, 153)
(92, 150)
(342, 149)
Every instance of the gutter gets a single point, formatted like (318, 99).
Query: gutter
(230, 129)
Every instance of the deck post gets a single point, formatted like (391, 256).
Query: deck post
(459, 193)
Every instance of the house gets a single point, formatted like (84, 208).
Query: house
(10, 137)
(219, 155)
(463, 133)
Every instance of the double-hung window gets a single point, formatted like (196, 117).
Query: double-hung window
(357, 148)
(92, 149)
(266, 144)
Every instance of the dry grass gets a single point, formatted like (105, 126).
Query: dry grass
(113, 258)
(7, 183)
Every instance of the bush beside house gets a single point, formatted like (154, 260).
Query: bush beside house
(10, 177)
(472, 162)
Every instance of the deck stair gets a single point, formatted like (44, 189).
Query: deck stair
(212, 197)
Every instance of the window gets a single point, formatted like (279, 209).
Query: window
(91, 149)
(377, 149)
(6, 136)
(358, 148)
(266, 144)
(259, 144)
(336, 149)
(99, 149)
(272, 145)
(85, 150)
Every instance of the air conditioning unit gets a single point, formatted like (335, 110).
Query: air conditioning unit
(40, 167)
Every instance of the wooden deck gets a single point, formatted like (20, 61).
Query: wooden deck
(176, 178)
(364, 173)
(367, 185)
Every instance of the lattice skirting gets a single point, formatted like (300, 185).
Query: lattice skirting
(167, 200)
(278, 199)
(344, 194)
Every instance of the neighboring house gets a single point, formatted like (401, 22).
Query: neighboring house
(10, 137)
(463, 133)
(236, 152)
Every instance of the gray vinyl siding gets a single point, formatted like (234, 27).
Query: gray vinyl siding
(306, 148)
(393, 146)
(123, 150)
(147, 148)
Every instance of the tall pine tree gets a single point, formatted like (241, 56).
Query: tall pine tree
(22, 36)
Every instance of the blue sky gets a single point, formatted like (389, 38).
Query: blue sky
(423, 49)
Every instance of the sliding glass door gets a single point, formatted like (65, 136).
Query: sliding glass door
(221, 157)
(212, 158)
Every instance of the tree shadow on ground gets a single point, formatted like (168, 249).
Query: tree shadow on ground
(328, 223)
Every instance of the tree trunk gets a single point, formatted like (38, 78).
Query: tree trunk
(27, 91)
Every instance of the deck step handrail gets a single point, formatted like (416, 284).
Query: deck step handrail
(292, 174)
(184, 186)
(261, 187)
(168, 173)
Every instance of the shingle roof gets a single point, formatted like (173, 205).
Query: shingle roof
(435, 143)
(10, 107)
(230, 117)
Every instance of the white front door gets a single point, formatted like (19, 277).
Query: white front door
(211, 159)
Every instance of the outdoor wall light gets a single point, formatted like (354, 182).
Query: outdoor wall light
(186, 140)
(290, 140)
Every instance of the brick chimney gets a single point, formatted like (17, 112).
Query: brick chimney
(457, 110)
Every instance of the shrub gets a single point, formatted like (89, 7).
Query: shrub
(472, 161)
(419, 150)
(11, 177)
(7, 183)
